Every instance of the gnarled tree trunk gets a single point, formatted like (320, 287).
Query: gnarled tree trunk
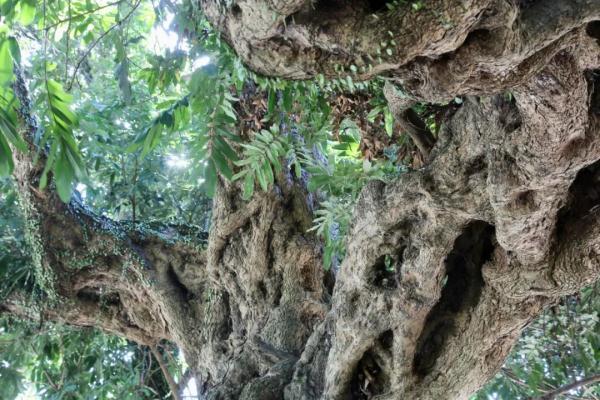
(444, 267)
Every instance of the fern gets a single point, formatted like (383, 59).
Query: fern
(262, 160)
(331, 223)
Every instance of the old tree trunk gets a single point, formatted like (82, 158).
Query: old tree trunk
(501, 222)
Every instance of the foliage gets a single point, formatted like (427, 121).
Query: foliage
(64, 158)
(15, 267)
(261, 160)
(9, 53)
(143, 108)
(560, 347)
(59, 362)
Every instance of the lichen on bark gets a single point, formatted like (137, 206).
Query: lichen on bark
(500, 222)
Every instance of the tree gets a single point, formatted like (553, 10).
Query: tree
(445, 260)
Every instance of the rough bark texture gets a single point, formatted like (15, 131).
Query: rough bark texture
(501, 222)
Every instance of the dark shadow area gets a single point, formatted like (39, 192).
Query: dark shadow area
(584, 195)
(386, 270)
(375, 6)
(95, 295)
(461, 291)
(236, 11)
(476, 165)
(225, 328)
(523, 4)
(593, 30)
(386, 339)
(477, 36)
(181, 288)
(509, 115)
(369, 378)
(593, 79)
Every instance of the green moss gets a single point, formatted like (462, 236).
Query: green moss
(43, 274)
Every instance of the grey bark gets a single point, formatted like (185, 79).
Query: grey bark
(501, 222)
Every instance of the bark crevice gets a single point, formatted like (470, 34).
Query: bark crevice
(444, 266)
(462, 286)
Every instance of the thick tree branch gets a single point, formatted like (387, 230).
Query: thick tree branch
(480, 240)
(567, 388)
(444, 266)
(144, 284)
(442, 50)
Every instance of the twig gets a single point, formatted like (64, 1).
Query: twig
(568, 387)
(510, 375)
(409, 120)
(185, 380)
(62, 21)
(67, 36)
(166, 373)
(133, 197)
(91, 47)
(48, 377)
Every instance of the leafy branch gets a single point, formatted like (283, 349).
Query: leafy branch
(261, 160)
(64, 157)
(98, 39)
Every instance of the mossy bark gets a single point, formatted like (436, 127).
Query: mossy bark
(501, 222)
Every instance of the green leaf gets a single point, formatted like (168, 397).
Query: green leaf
(262, 180)
(224, 147)
(389, 122)
(265, 136)
(268, 172)
(373, 114)
(14, 49)
(248, 186)
(350, 83)
(226, 107)
(244, 162)
(240, 174)
(272, 102)
(221, 163)
(64, 177)
(49, 163)
(229, 135)
(6, 161)
(6, 63)
(287, 99)
(298, 169)
(327, 255)
(210, 178)
(27, 12)
(274, 158)
(9, 130)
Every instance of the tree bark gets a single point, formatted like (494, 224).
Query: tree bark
(501, 222)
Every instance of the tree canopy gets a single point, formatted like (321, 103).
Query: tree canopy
(135, 133)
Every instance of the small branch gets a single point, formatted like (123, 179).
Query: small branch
(62, 21)
(408, 119)
(50, 381)
(54, 385)
(95, 43)
(67, 37)
(133, 189)
(172, 385)
(184, 381)
(418, 131)
(510, 375)
(566, 388)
